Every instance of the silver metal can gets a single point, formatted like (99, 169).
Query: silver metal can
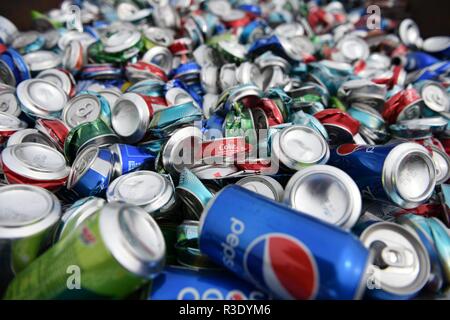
(327, 193)
(263, 185)
(299, 146)
(24, 228)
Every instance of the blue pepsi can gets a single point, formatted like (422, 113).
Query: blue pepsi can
(180, 283)
(402, 173)
(128, 158)
(283, 252)
(91, 172)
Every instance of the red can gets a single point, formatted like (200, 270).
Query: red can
(55, 129)
(404, 105)
(341, 127)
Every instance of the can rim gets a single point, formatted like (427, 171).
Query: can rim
(50, 218)
(138, 103)
(116, 222)
(350, 216)
(391, 168)
(273, 185)
(29, 171)
(412, 238)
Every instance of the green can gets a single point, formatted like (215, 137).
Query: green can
(109, 256)
(24, 230)
(94, 133)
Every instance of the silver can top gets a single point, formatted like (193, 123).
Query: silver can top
(409, 175)
(57, 77)
(263, 185)
(81, 109)
(121, 40)
(401, 265)
(326, 193)
(146, 189)
(435, 97)
(42, 59)
(133, 238)
(409, 33)
(18, 220)
(130, 117)
(9, 103)
(298, 146)
(353, 48)
(160, 36)
(442, 164)
(9, 122)
(41, 97)
(88, 159)
(160, 56)
(29, 135)
(35, 161)
(181, 150)
(79, 212)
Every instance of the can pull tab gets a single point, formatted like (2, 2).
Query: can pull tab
(390, 256)
(397, 257)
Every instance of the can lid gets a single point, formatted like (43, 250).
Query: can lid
(130, 12)
(79, 212)
(9, 122)
(409, 175)
(296, 47)
(219, 8)
(6, 74)
(41, 60)
(133, 238)
(41, 97)
(29, 135)
(299, 146)
(18, 220)
(57, 77)
(35, 161)
(401, 265)
(441, 163)
(235, 49)
(81, 165)
(121, 40)
(160, 56)
(130, 117)
(176, 95)
(353, 48)
(409, 33)
(435, 97)
(263, 185)
(326, 193)
(436, 44)
(160, 36)
(81, 109)
(24, 39)
(85, 38)
(146, 189)
(290, 30)
(175, 153)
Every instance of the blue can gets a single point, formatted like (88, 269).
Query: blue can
(91, 172)
(179, 283)
(400, 173)
(283, 252)
(418, 60)
(128, 158)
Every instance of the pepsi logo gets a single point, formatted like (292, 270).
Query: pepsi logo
(346, 149)
(282, 265)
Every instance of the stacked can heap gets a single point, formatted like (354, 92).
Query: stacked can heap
(219, 149)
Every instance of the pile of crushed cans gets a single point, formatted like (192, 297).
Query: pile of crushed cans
(243, 149)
